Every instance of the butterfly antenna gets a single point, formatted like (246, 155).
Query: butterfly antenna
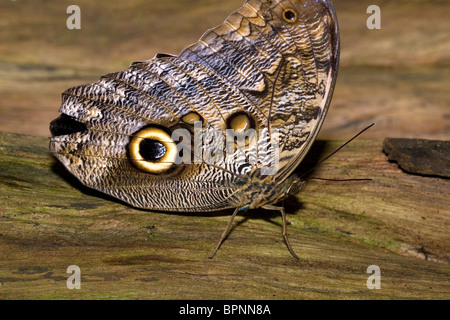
(337, 150)
(353, 179)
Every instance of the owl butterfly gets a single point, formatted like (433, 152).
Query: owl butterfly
(259, 85)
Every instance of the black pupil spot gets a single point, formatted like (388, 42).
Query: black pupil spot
(152, 150)
(289, 15)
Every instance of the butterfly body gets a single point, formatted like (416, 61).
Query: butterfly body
(266, 75)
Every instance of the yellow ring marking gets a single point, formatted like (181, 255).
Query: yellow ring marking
(162, 164)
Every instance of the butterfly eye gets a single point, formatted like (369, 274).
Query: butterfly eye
(290, 15)
(152, 150)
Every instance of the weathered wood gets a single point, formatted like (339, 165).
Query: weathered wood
(398, 222)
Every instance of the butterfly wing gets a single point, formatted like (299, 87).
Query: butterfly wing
(153, 94)
(257, 69)
(283, 57)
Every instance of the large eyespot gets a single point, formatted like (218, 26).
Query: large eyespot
(290, 15)
(152, 150)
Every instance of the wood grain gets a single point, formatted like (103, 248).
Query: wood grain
(397, 221)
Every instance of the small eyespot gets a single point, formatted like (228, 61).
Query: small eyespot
(191, 118)
(290, 15)
(152, 150)
(242, 126)
(240, 122)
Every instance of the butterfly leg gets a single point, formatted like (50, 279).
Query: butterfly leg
(283, 216)
(225, 233)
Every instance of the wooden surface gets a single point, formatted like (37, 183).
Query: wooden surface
(397, 221)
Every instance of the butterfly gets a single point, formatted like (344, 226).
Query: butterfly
(221, 126)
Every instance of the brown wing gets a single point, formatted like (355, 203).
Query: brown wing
(282, 56)
(257, 66)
